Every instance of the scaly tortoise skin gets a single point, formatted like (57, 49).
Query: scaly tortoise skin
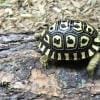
(69, 40)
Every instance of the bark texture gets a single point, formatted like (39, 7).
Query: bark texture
(22, 76)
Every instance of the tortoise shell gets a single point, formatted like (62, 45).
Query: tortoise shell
(69, 40)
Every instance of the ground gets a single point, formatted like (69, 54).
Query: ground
(21, 74)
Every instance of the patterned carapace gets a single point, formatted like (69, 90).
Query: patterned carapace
(69, 40)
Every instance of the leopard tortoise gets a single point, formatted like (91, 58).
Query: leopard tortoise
(71, 40)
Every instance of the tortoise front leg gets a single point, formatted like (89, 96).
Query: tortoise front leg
(44, 61)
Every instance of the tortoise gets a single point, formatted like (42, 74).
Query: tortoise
(70, 40)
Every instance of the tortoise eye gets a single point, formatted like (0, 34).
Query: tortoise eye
(52, 28)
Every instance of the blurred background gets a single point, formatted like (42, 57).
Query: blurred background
(29, 15)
